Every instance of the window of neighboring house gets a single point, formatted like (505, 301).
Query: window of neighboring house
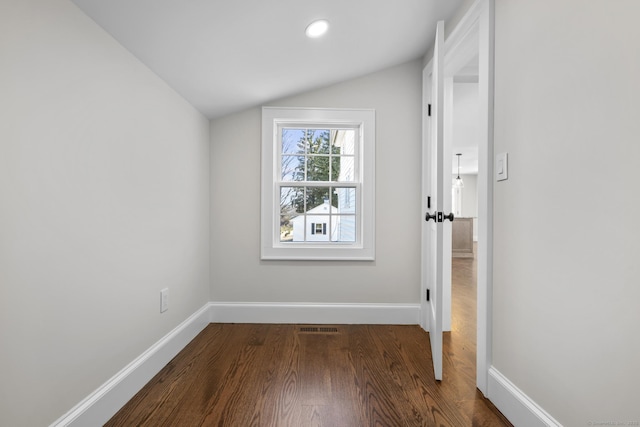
(317, 183)
(318, 228)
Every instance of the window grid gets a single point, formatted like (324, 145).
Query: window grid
(311, 144)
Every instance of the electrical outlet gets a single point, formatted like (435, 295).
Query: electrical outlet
(164, 300)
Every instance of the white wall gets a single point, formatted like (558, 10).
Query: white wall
(469, 195)
(466, 127)
(469, 199)
(566, 270)
(238, 275)
(103, 202)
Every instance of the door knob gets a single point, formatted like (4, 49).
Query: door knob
(428, 217)
(438, 217)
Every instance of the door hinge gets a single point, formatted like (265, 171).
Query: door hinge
(427, 294)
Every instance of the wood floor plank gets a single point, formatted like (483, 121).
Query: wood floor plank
(374, 389)
(346, 407)
(235, 402)
(154, 404)
(441, 409)
(277, 340)
(401, 373)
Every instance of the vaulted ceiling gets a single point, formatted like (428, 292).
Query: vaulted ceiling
(225, 56)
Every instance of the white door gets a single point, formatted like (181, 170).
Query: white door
(433, 257)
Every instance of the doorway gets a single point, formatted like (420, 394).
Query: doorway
(473, 38)
(463, 110)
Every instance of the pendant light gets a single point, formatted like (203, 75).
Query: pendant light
(458, 182)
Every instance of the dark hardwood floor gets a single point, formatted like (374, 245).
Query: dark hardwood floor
(335, 375)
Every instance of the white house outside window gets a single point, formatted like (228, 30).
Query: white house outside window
(317, 183)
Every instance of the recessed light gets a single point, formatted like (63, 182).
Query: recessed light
(317, 28)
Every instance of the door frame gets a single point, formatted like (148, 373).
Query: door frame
(474, 33)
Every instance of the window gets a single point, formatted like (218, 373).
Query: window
(317, 183)
(318, 228)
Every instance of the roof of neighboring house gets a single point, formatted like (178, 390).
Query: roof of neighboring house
(323, 208)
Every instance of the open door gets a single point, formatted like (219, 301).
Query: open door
(433, 257)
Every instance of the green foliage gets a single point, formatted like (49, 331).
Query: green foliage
(314, 148)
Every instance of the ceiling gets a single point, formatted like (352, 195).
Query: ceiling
(226, 56)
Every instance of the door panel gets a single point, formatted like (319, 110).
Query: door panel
(433, 200)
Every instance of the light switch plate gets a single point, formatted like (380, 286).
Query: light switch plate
(502, 167)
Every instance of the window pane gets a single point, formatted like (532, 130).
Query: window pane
(335, 168)
(318, 168)
(346, 169)
(317, 200)
(345, 200)
(317, 141)
(292, 168)
(291, 139)
(342, 169)
(286, 228)
(343, 228)
(291, 200)
(344, 142)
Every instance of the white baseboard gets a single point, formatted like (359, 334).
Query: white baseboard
(102, 404)
(381, 314)
(515, 405)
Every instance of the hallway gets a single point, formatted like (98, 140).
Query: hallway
(459, 355)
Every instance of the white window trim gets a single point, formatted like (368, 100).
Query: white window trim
(271, 247)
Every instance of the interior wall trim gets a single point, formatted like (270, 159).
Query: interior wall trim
(307, 313)
(97, 408)
(519, 408)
